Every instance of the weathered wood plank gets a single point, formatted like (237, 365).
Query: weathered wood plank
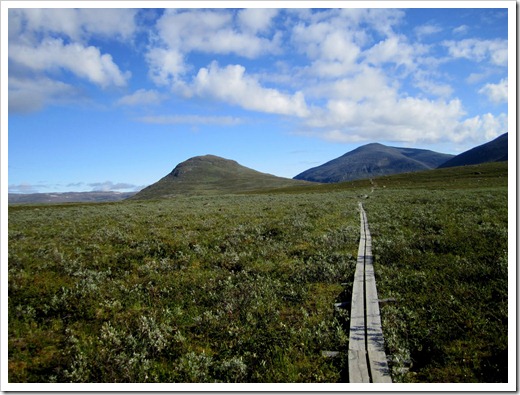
(357, 340)
(375, 341)
(357, 358)
(366, 334)
(357, 366)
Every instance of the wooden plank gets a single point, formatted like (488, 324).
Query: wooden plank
(366, 334)
(375, 346)
(357, 340)
(375, 341)
(357, 366)
(357, 360)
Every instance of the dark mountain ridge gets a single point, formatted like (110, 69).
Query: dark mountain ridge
(373, 160)
(492, 151)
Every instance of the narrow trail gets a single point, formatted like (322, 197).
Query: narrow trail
(366, 354)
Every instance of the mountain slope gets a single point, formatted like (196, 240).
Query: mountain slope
(493, 151)
(374, 160)
(210, 175)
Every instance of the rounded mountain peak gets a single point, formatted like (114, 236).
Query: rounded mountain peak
(203, 162)
(211, 175)
(209, 158)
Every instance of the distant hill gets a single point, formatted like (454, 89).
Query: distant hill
(68, 197)
(210, 175)
(374, 160)
(493, 151)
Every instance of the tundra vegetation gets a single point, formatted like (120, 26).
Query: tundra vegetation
(241, 288)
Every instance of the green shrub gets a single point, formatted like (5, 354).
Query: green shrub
(241, 288)
(220, 289)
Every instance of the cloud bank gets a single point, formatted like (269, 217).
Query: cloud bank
(342, 75)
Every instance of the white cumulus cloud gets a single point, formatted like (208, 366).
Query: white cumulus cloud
(369, 107)
(77, 24)
(232, 85)
(85, 62)
(351, 115)
(401, 119)
(396, 50)
(493, 51)
(213, 31)
(166, 65)
(46, 44)
(333, 51)
(256, 19)
(497, 93)
(481, 127)
(217, 32)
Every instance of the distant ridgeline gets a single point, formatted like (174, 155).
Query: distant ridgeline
(212, 175)
(209, 174)
(68, 197)
(374, 160)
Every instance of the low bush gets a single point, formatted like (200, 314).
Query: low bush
(443, 256)
(241, 288)
(220, 289)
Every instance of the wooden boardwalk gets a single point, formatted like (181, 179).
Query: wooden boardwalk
(366, 354)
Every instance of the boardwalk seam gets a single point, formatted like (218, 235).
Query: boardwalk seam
(368, 364)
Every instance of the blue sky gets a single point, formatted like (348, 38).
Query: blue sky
(114, 99)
